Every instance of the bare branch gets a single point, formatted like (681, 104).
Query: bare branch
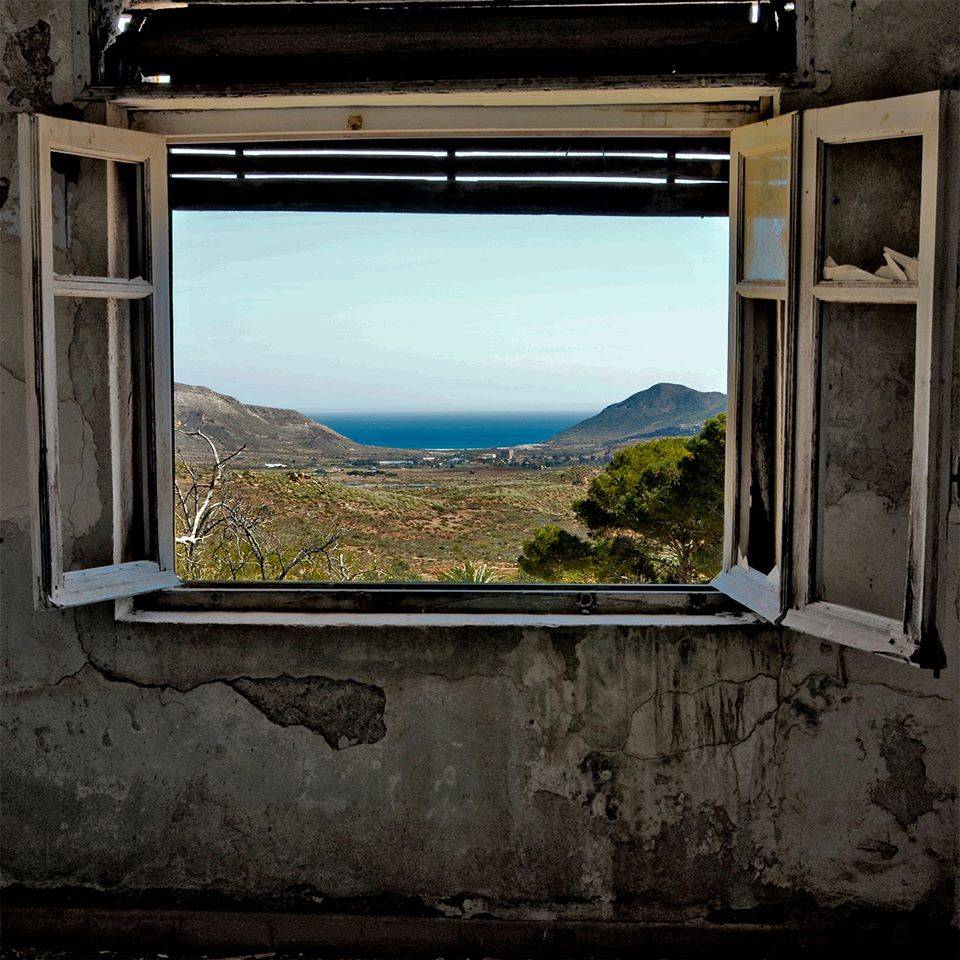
(217, 527)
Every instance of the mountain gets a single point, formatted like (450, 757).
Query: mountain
(268, 434)
(665, 409)
(274, 435)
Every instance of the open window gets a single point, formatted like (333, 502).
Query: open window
(763, 177)
(842, 296)
(877, 300)
(100, 290)
(837, 454)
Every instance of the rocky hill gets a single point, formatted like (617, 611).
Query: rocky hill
(663, 410)
(268, 434)
(271, 435)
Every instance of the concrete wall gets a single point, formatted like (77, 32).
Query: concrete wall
(582, 772)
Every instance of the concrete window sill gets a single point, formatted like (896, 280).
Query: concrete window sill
(426, 605)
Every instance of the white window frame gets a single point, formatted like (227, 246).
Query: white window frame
(156, 123)
(39, 138)
(931, 116)
(765, 594)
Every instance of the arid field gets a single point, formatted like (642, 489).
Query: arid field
(409, 523)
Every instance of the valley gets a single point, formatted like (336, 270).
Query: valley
(280, 438)
(308, 503)
(413, 524)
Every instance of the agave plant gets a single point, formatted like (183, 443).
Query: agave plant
(468, 572)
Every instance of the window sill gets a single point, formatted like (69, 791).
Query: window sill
(426, 605)
(438, 620)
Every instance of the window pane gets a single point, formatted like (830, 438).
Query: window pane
(761, 453)
(437, 397)
(766, 214)
(86, 477)
(83, 385)
(87, 193)
(871, 200)
(866, 443)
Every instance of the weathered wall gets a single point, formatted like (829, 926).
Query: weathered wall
(867, 49)
(579, 772)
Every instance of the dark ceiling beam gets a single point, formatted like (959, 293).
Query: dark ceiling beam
(695, 200)
(211, 45)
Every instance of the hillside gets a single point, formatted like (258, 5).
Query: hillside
(275, 435)
(665, 409)
(268, 434)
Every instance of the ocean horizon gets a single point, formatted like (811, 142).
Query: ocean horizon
(450, 431)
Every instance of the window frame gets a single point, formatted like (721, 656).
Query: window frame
(931, 116)
(635, 112)
(39, 138)
(148, 124)
(765, 594)
(629, 112)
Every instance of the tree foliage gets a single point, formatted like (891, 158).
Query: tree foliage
(556, 555)
(654, 514)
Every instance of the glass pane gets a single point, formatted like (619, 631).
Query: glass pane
(88, 194)
(83, 382)
(871, 200)
(760, 456)
(866, 446)
(87, 448)
(765, 235)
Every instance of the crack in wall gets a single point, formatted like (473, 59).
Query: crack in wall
(344, 713)
(677, 693)
(781, 702)
(18, 377)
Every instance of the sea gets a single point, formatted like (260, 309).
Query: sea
(450, 431)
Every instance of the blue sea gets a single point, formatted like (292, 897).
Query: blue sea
(450, 431)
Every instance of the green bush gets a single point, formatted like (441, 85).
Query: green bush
(655, 514)
(467, 572)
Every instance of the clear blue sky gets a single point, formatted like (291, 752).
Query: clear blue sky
(424, 312)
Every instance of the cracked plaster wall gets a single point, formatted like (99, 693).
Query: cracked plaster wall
(575, 772)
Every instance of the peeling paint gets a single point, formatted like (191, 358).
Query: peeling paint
(344, 712)
(905, 793)
(601, 794)
(28, 69)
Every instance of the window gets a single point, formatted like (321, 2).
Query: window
(460, 311)
(121, 309)
(837, 460)
(763, 180)
(872, 443)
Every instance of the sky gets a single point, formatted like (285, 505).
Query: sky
(377, 312)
